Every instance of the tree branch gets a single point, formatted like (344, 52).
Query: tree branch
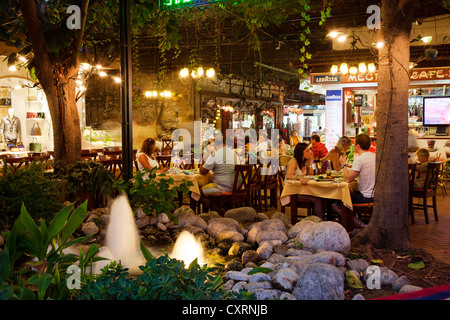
(37, 41)
(77, 42)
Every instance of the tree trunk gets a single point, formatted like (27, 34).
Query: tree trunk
(388, 227)
(64, 113)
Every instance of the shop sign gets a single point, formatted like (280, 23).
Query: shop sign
(416, 75)
(178, 4)
(326, 79)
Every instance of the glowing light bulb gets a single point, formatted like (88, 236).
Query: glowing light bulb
(333, 34)
(353, 70)
(371, 67)
(210, 73)
(362, 67)
(12, 68)
(334, 69)
(184, 72)
(200, 71)
(344, 68)
(102, 74)
(117, 80)
(379, 44)
(426, 39)
(342, 38)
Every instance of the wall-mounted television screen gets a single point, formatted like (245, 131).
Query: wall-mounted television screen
(436, 111)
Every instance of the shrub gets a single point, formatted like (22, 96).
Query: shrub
(31, 186)
(161, 279)
(151, 195)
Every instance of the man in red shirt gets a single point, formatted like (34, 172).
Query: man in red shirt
(318, 148)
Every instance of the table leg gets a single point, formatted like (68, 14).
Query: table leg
(346, 218)
(293, 209)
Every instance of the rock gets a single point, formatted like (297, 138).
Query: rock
(143, 222)
(194, 230)
(250, 256)
(358, 264)
(242, 214)
(319, 281)
(299, 253)
(269, 235)
(285, 279)
(323, 257)
(386, 276)
(358, 296)
(265, 250)
(261, 216)
(224, 246)
(409, 288)
(283, 217)
(283, 250)
(161, 226)
(217, 225)
(287, 296)
(210, 215)
(89, 228)
(238, 248)
(237, 276)
(191, 220)
(258, 277)
(400, 282)
(235, 265)
(92, 218)
(298, 227)
(163, 218)
(154, 220)
(253, 286)
(258, 227)
(149, 230)
(183, 210)
(340, 259)
(313, 218)
(266, 294)
(140, 214)
(229, 236)
(328, 236)
(239, 286)
(229, 284)
(299, 266)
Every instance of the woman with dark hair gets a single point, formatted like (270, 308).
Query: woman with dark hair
(298, 167)
(146, 159)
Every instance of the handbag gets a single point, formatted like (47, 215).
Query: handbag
(36, 130)
(40, 115)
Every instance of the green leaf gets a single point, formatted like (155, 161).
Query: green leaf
(42, 280)
(75, 220)
(416, 265)
(353, 280)
(58, 222)
(146, 253)
(5, 265)
(260, 269)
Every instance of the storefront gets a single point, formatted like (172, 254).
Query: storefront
(351, 103)
(305, 119)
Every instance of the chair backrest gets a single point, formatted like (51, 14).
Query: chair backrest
(113, 154)
(164, 161)
(255, 176)
(16, 163)
(242, 177)
(411, 176)
(431, 179)
(281, 176)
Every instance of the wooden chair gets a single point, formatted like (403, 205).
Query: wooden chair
(167, 146)
(256, 186)
(429, 190)
(115, 154)
(411, 178)
(89, 156)
(113, 165)
(240, 193)
(269, 183)
(15, 163)
(444, 175)
(164, 161)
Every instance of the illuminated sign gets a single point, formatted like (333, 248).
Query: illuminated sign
(178, 4)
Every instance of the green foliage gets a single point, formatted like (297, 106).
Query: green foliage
(88, 176)
(152, 195)
(162, 279)
(28, 185)
(33, 264)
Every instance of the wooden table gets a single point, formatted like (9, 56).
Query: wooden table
(197, 180)
(322, 189)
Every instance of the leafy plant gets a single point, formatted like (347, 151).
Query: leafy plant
(40, 251)
(162, 279)
(152, 195)
(88, 176)
(30, 186)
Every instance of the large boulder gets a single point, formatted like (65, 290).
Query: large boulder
(217, 225)
(319, 281)
(265, 225)
(328, 236)
(298, 227)
(242, 214)
(186, 217)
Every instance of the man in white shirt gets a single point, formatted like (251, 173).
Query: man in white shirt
(363, 167)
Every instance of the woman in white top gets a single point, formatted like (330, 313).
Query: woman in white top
(146, 160)
(298, 167)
